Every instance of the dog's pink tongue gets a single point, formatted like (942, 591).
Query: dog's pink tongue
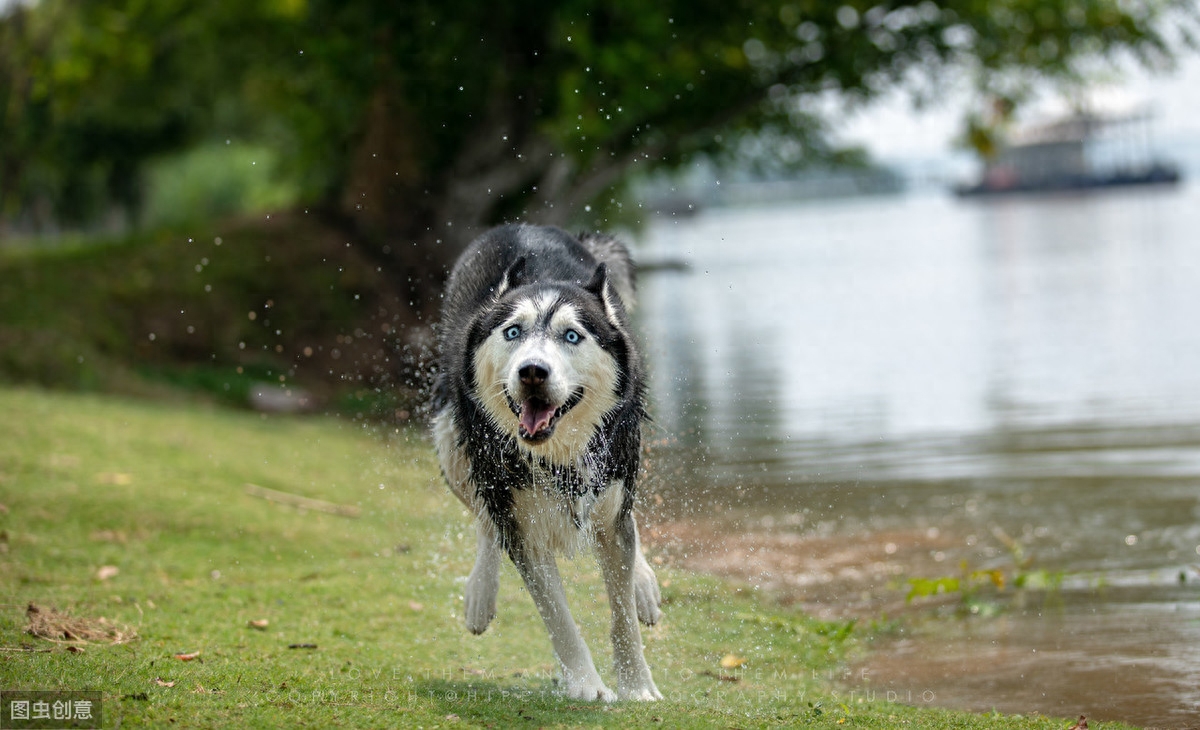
(535, 416)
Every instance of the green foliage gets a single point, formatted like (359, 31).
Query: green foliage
(93, 91)
(213, 182)
(408, 116)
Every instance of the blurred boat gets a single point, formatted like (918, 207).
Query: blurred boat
(1084, 151)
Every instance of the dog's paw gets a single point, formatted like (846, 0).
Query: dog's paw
(589, 689)
(480, 599)
(646, 593)
(647, 693)
(635, 683)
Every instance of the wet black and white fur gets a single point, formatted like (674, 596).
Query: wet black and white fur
(538, 410)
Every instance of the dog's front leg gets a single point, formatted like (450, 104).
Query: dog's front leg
(618, 551)
(645, 585)
(484, 582)
(545, 587)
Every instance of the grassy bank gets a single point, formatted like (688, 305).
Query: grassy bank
(212, 309)
(139, 513)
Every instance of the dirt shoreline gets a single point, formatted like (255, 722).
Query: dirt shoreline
(831, 576)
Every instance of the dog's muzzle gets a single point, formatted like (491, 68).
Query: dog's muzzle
(537, 414)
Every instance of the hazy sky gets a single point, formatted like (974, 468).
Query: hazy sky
(891, 129)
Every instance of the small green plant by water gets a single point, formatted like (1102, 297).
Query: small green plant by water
(977, 589)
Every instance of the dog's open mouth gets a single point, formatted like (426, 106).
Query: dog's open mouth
(536, 418)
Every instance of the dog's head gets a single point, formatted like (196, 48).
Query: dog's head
(549, 362)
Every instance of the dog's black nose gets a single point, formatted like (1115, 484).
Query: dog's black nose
(533, 374)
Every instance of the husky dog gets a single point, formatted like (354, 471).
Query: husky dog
(538, 409)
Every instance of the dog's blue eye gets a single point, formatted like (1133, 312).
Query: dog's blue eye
(512, 333)
(572, 336)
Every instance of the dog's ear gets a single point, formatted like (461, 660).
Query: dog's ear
(513, 277)
(600, 286)
(599, 278)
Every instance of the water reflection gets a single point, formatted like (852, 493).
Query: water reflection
(880, 389)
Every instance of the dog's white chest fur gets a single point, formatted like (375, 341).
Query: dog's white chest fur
(553, 523)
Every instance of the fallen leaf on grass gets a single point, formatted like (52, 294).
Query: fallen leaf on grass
(187, 656)
(732, 661)
(163, 683)
(259, 623)
(54, 625)
(107, 571)
(416, 606)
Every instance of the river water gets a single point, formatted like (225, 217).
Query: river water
(852, 394)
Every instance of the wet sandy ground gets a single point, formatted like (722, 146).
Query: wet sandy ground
(829, 576)
(1059, 653)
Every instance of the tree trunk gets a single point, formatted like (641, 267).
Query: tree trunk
(384, 172)
(385, 200)
(415, 221)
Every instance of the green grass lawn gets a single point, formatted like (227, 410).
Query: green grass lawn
(159, 493)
